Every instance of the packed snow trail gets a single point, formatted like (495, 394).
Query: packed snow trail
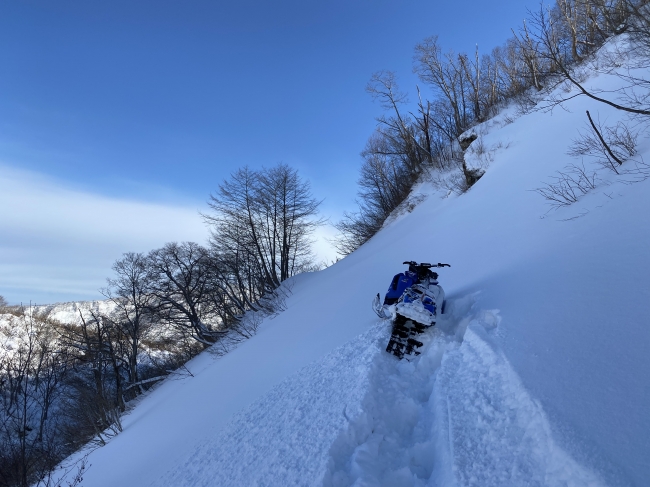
(456, 415)
(490, 431)
(391, 441)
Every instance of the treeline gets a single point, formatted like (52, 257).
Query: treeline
(63, 384)
(469, 89)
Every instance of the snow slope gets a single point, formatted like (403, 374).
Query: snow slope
(538, 375)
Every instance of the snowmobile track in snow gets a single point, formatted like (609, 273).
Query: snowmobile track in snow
(456, 415)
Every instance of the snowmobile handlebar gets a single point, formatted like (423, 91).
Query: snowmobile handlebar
(425, 264)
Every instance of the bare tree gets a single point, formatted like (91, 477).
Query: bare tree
(238, 220)
(528, 51)
(263, 220)
(31, 374)
(133, 301)
(101, 355)
(447, 76)
(633, 16)
(549, 49)
(403, 148)
(179, 276)
(408, 137)
(554, 48)
(290, 209)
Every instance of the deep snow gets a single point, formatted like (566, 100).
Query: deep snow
(537, 375)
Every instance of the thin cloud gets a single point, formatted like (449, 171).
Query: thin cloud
(58, 243)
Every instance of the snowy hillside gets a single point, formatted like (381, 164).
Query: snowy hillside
(538, 374)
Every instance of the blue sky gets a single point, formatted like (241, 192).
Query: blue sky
(152, 103)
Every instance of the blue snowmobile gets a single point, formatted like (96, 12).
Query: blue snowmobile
(413, 302)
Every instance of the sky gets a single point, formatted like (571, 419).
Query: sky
(118, 119)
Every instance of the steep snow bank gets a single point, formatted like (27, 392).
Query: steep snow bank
(549, 390)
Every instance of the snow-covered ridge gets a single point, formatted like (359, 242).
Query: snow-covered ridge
(70, 312)
(537, 376)
(15, 320)
(61, 312)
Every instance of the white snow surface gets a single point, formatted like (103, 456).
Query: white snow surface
(537, 374)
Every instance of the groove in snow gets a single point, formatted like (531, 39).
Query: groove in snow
(456, 415)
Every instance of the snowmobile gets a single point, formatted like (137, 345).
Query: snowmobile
(413, 302)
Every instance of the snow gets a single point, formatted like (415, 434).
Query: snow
(537, 375)
(71, 312)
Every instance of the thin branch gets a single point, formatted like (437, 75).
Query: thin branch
(602, 140)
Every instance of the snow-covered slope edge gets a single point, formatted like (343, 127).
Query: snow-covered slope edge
(551, 389)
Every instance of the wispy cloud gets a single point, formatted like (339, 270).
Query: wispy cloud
(58, 243)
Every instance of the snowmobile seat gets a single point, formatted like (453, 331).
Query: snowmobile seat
(394, 282)
(397, 286)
